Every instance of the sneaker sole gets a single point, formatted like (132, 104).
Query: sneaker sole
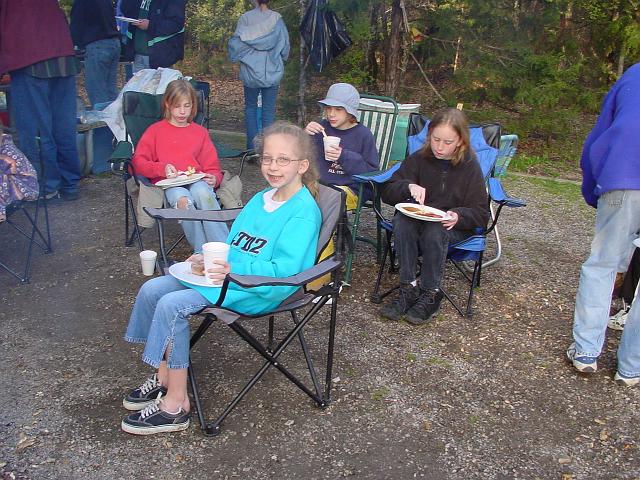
(151, 430)
(585, 367)
(135, 406)
(627, 382)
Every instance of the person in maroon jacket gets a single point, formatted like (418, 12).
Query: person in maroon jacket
(443, 174)
(36, 49)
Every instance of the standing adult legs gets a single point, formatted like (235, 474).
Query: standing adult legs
(250, 110)
(101, 69)
(63, 109)
(617, 224)
(269, 97)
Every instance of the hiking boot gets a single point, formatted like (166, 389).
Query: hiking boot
(624, 380)
(426, 306)
(147, 393)
(583, 364)
(152, 419)
(407, 296)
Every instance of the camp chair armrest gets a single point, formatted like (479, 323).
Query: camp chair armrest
(377, 176)
(144, 181)
(498, 195)
(224, 215)
(122, 152)
(300, 279)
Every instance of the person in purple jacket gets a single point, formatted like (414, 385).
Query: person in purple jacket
(357, 151)
(611, 183)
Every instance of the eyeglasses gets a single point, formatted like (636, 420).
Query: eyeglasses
(281, 161)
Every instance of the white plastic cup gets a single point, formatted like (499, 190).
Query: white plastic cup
(330, 141)
(148, 261)
(213, 251)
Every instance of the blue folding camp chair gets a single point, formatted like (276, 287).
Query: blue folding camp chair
(484, 141)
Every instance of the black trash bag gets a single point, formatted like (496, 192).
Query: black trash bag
(324, 34)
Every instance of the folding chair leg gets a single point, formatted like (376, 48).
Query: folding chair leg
(375, 296)
(498, 241)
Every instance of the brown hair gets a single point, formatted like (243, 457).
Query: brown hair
(176, 91)
(456, 120)
(301, 143)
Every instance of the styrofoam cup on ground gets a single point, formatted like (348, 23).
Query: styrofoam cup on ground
(330, 141)
(148, 261)
(213, 251)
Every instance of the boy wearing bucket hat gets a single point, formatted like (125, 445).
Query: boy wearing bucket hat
(356, 152)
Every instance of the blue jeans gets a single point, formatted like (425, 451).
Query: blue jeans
(140, 62)
(160, 317)
(101, 70)
(269, 96)
(617, 225)
(200, 196)
(46, 107)
(430, 240)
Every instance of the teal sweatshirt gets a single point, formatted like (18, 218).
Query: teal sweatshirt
(274, 244)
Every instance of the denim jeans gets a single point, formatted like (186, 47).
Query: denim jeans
(160, 317)
(46, 107)
(269, 96)
(101, 70)
(431, 240)
(617, 225)
(201, 197)
(140, 62)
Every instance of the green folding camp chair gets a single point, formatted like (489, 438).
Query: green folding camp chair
(379, 114)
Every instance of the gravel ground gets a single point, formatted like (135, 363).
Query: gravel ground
(487, 397)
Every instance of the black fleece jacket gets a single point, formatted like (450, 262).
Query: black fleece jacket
(459, 188)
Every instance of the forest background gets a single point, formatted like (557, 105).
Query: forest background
(539, 67)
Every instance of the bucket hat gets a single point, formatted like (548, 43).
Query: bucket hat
(343, 95)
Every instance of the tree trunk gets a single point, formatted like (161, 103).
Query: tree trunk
(302, 77)
(621, 60)
(394, 50)
(372, 46)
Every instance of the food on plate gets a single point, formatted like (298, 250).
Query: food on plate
(197, 268)
(190, 170)
(422, 213)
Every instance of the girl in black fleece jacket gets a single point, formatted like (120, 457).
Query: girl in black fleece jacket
(446, 175)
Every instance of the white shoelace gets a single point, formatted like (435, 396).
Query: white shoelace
(151, 408)
(149, 384)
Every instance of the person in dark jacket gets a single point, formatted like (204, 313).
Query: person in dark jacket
(93, 29)
(443, 174)
(36, 49)
(157, 38)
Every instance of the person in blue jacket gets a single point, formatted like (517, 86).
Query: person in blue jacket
(276, 235)
(261, 45)
(157, 38)
(611, 183)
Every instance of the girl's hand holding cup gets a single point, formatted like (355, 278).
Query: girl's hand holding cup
(170, 171)
(332, 153)
(217, 272)
(215, 262)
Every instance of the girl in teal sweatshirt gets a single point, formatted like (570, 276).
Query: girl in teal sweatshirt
(276, 235)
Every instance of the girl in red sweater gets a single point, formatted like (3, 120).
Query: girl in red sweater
(175, 145)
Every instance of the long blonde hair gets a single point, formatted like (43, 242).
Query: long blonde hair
(176, 91)
(301, 143)
(456, 120)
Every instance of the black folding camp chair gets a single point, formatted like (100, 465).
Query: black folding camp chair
(485, 139)
(30, 221)
(300, 306)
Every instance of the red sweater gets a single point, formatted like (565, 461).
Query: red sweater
(182, 147)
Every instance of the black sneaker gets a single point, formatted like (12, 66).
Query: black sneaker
(426, 306)
(407, 296)
(147, 393)
(152, 420)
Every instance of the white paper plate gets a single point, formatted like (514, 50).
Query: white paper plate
(180, 180)
(127, 19)
(182, 271)
(418, 212)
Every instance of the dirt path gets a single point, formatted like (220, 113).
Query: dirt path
(489, 397)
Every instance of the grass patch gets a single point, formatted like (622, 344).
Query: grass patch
(439, 362)
(412, 357)
(380, 393)
(563, 190)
